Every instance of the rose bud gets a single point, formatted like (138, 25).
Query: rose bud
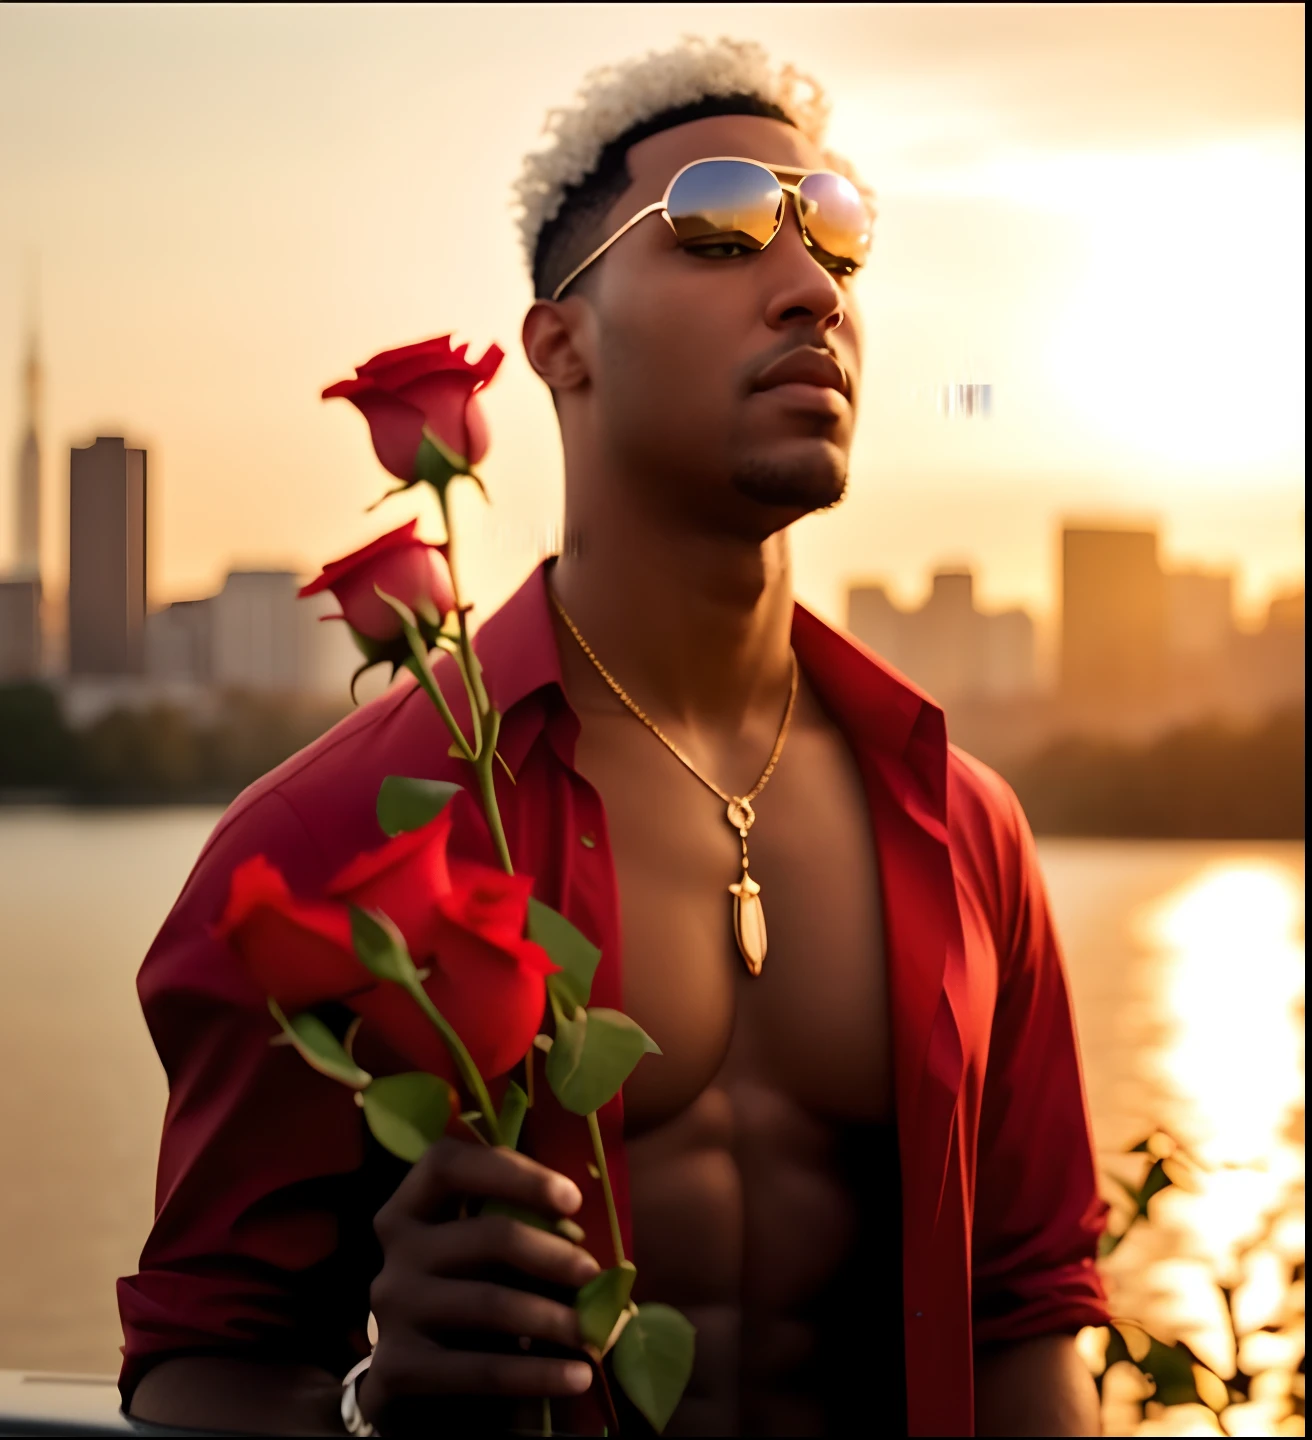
(401, 565)
(464, 922)
(422, 408)
(297, 951)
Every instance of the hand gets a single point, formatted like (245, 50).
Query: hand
(448, 1298)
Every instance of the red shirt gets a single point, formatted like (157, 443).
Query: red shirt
(268, 1179)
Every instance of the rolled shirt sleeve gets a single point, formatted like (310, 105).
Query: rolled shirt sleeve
(267, 1181)
(1038, 1214)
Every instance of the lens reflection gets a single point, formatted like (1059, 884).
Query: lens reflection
(834, 217)
(725, 200)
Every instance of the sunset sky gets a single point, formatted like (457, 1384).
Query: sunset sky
(1098, 210)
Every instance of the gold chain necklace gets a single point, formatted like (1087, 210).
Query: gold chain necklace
(748, 914)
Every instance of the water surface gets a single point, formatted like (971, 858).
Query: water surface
(1186, 963)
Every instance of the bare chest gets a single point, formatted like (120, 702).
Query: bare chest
(813, 1027)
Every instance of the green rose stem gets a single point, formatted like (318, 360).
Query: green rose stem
(487, 721)
(418, 667)
(464, 1060)
(599, 1152)
(481, 756)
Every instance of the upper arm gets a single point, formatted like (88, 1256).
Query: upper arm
(262, 1238)
(1038, 1213)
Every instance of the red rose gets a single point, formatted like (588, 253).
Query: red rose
(465, 921)
(298, 951)
(462, 920)
(399, 563)
(400, 392)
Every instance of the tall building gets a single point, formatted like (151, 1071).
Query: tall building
(106, 559)
(947, 639)
(256, 630)
(179, 641)
(27, 526)
(20, 629)
(1113, 621)
(948, 647)
(1270, 668)
(253, 635)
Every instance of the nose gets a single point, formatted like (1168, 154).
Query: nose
(801, 289)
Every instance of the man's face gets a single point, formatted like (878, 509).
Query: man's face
(679, 349)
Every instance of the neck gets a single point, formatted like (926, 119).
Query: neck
(695, 626)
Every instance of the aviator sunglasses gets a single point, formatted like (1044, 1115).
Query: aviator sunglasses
(725, 202)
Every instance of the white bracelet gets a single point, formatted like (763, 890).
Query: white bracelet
(355, 1423)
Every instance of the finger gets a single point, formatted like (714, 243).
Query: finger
(453, 1167)
(473, 1372)
(470, 1245)
(443, 1305)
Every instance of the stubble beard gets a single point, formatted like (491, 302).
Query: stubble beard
(790, 485)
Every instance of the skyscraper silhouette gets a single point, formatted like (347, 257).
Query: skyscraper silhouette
(27, 529)
(106, 559)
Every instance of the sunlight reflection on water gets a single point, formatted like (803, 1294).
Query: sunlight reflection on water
(1230, 949)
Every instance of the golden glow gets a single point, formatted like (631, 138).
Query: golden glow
(234, 205)
(1229, 946)
(1192, 271)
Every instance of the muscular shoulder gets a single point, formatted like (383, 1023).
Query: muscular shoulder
(308, 816)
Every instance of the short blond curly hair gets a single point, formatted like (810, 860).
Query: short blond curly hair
(616, 99)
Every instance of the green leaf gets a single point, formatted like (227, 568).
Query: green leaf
(405, 803)
(407, 1112)
(653, 1360)
(320, 1047)
(601, 1302)
(594, 1054)
(1156, 1180)
(576, 955)
(514, 1106)
(1171, 1370)
(381, 947)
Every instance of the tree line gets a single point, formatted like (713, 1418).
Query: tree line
(1205, 780)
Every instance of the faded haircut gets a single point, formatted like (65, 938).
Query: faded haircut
(565, 189)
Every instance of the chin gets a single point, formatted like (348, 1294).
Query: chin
(798, 483)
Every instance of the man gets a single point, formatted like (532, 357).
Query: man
(861, 1165)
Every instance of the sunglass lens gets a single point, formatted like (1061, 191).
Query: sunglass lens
(835, 218)
(725, 201)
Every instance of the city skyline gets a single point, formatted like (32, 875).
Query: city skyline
(204, 278)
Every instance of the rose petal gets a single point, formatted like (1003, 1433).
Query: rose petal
(405, 879)
(418, 578)
(476, 429)
(395, 427)
(336, 569)
(400, 367)
(437, 350)
(297, 951)
(442, 397)
(399, 563)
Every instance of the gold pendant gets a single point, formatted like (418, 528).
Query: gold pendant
(748, 913)
(749, 922)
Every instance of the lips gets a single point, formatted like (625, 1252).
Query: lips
(805, 366)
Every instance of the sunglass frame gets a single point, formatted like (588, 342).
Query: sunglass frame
(778, 172)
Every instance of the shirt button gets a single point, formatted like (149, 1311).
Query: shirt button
(589, 840)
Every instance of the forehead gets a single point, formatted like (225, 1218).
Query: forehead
(653, 162)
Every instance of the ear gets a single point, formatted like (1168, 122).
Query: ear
(551, 336)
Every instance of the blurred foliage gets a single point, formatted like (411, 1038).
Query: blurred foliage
(158, 754)
(1171, 1372)
(1209, 781)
